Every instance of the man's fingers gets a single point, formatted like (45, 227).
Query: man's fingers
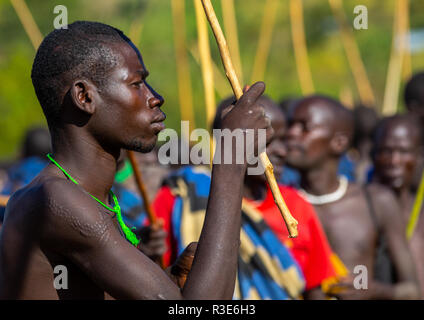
(253, 94)
(191, 249)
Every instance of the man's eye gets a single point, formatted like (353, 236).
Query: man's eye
(137, 84)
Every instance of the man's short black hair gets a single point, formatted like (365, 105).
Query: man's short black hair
(81, 51)
(414, 90)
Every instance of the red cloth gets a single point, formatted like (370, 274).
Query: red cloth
(311, 248)
(162, 206)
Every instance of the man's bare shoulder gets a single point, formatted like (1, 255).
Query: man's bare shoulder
(63, 210)
(384, 201)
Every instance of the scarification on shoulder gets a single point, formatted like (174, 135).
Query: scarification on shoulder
(98, 229)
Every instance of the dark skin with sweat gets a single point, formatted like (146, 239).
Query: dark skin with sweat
(319, 133)
(398, 146)
(55, 222)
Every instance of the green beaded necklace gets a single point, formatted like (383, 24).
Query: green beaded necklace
(131, 237)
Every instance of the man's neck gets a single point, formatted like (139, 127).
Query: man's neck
(86, 161)
(322, 179)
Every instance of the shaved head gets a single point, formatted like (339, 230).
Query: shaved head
(397, 143)
(320, 128)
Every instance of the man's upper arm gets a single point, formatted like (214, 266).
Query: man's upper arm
(393, 226)
(78, 229)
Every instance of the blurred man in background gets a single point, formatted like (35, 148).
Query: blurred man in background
(320, 131)
(398, 146)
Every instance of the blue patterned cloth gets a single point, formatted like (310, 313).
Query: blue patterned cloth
(266, 268)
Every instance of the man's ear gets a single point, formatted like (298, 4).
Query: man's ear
(84, 96)
(339, 143)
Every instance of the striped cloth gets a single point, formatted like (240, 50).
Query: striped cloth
(266, 268)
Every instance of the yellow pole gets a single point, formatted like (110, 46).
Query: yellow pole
(230, 27)
(135, 31)
(220, 82)
(265, 39)
(183, 68)
(207, 71)
(205, 62)
(356, 64)
(394, 73)
(28, 22)
(407, 63)
(300, 48)
(346, 96)
(291, 223)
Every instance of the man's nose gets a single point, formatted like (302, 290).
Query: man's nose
(294, 130)
(395, 158)
(155, 100)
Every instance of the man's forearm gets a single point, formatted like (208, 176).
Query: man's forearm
(214, 268)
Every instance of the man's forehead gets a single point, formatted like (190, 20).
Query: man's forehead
(130, 57)
(399, 131)
(314, 110)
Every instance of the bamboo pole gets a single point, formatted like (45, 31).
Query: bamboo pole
(206, 63)
(28, 22)
(265, 39)
(207, 71)
(219, 80)
(394, 73)
(300, 48)
(183, 68)
(407, 61)
(136, 28)
(356, 64)
(291, 223)
(230, 26)
(416, 210)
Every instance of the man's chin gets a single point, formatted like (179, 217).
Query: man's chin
(139, 146)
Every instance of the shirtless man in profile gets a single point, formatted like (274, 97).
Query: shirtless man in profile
(90, 80)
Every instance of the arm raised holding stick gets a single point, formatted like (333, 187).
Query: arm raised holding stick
(291, 223)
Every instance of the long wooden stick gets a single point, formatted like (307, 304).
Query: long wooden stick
(394, 73)
(291, 223)
(28, 22)
(407, 60)
(356, 64)
(205, 63)
(185, 94)
(207, 71)
(265, 39)
(416, 210)
(230, 26)
(300, 48)
(219, 79)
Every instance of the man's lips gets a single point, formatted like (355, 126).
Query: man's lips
(157, 122)
(160, 117)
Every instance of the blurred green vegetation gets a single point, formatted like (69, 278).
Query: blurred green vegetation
(20, 110)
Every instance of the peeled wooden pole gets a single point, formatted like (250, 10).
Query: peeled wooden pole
(265, 39)
(300, 48)
(291, 222)
(185, 94)
(394, 73)
(28, 22)
(354, 59)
